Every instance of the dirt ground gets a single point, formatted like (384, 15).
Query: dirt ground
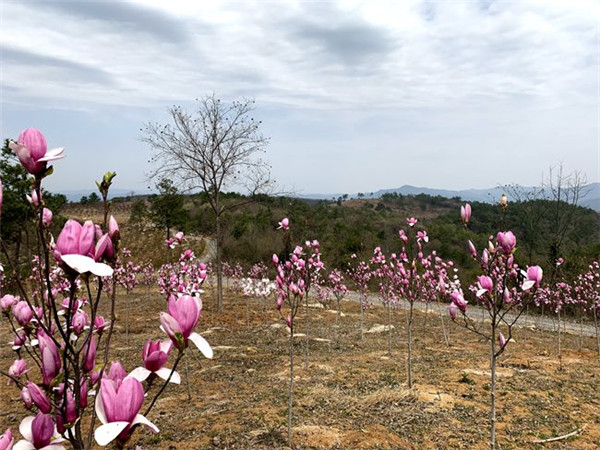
(353, 394)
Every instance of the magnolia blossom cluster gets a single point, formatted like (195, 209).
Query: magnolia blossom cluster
(410, 274)
(126, 272)
(175, 240)
(260, 288)
(361, 274)
(182, 277)
(587, 288)
(60, 283)
(258, 270)
(296, 275)
(148, 275)
(503, 284)
(336, 284)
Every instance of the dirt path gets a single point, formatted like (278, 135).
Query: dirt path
(546, 323)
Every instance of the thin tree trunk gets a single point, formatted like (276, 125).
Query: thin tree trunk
(126, 314)
(409, 345)
(580, 343)
(389, 310)
(559, 344)
(426, 316)
(337, 323)
(218, 263)
(493, 386)
(306, 343)
(597, 334)
(291, 390)
(445, 332)
(362, 320)
(247, 310)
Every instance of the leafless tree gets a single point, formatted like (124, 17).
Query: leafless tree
(532, 214)
(565, 191)
(212, 149)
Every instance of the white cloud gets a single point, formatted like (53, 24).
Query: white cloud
(437, 63)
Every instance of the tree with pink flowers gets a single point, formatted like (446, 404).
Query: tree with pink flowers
(61, 342)
(504, 290)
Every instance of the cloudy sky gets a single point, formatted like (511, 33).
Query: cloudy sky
(355, 95)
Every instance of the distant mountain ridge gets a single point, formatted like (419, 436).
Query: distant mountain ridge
(490, 195)
(590, 200)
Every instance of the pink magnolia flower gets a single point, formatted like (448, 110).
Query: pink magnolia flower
(46, 217)
(79, 322)
(154, 356)
(284, 224)
(179, 236)
(507, 241)
(411, 221)
(459, 300)
(22, 312)
(88, 354)
(38, 397)
(472, 250)
(117, 407)
(33, 198)
(501, 340)
(18, 368)
(6, 440)
(26, 397)
(486, 285)
(8, 301)
(75, 247)
(75, 239)
(452, 310)
(32, 151)
(39, 433)
(50, 356)
(180, 321)
(534, 277)
(116, 372)
(104, 247)
(113, 229)
(20, 339)
(465, 213)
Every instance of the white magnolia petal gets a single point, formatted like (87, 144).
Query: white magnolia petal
(528, 285)
(23, 445)
(142, 420)
(102, 270)
(140, 373)
(202, 345)
(480, 292)
(54, 446)
(108, 432)
(78, 263)
(52, 154)
(25, 428)
(164, 374)
(100, 409)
